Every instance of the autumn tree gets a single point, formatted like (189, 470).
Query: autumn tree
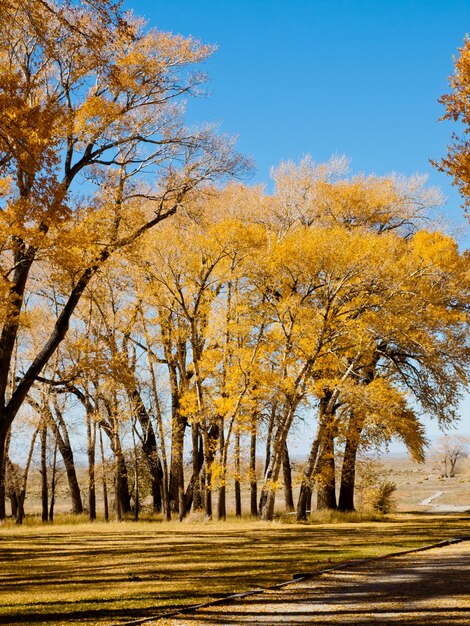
(89, 99)
(457, 108)
(385, 215)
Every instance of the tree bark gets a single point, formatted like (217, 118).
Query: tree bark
(238, 495)
(222, 503)
(60, 432)
(305, 497)
(325, 472)
(22, 494)
(103, 477)
(53, 483)
(348, 470)
(149, 447)
(253, 480)
(198, 456)
(3, 466)
(268, 493)
(91, 444)
(176, 461)
(120, 474)
(287, 474)
(44, 484)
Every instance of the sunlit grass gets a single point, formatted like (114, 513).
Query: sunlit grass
(107, 572)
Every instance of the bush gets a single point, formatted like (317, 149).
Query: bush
(374, 491)
(383, 500)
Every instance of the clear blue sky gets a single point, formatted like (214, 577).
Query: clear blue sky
(354, 77)
(323, 77)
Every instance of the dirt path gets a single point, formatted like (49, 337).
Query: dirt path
(424, 589)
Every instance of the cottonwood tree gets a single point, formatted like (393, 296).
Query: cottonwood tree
(449, 450)
(88, 100)
(457, 106)
(309, 196)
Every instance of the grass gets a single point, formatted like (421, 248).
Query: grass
(105, 573)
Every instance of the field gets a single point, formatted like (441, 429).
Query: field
(106, 573)
(417, 482)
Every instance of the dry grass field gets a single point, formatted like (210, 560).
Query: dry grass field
(417, 482)
(73, 572)
(108, 573)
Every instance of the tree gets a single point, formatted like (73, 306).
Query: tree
(449, 450)
(88, 101)
(457, 106)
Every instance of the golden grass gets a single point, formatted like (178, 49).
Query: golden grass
(104, 573)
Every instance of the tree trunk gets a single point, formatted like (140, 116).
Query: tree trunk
(118, 481)
(197, 466)
(253, 481)
(305, 496)
(136, 476)
(4, 446)
(269, 436)
(44, 484)
(103, 478)
(176, 462)
(160, 429)
(59, 430)
(325, 473)
(149, 447)
(121, 476)
(238, 496)
(222, 504)
(312, 466)
(348, 470)
(12, 485)
(22, 494)
(208, 493)
(91, 441)
(53, 483)
(14, 504)
(287, 473)
(268, 493)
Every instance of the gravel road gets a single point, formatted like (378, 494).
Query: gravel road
(426, 588)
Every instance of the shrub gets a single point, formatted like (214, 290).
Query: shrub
(383, 500)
